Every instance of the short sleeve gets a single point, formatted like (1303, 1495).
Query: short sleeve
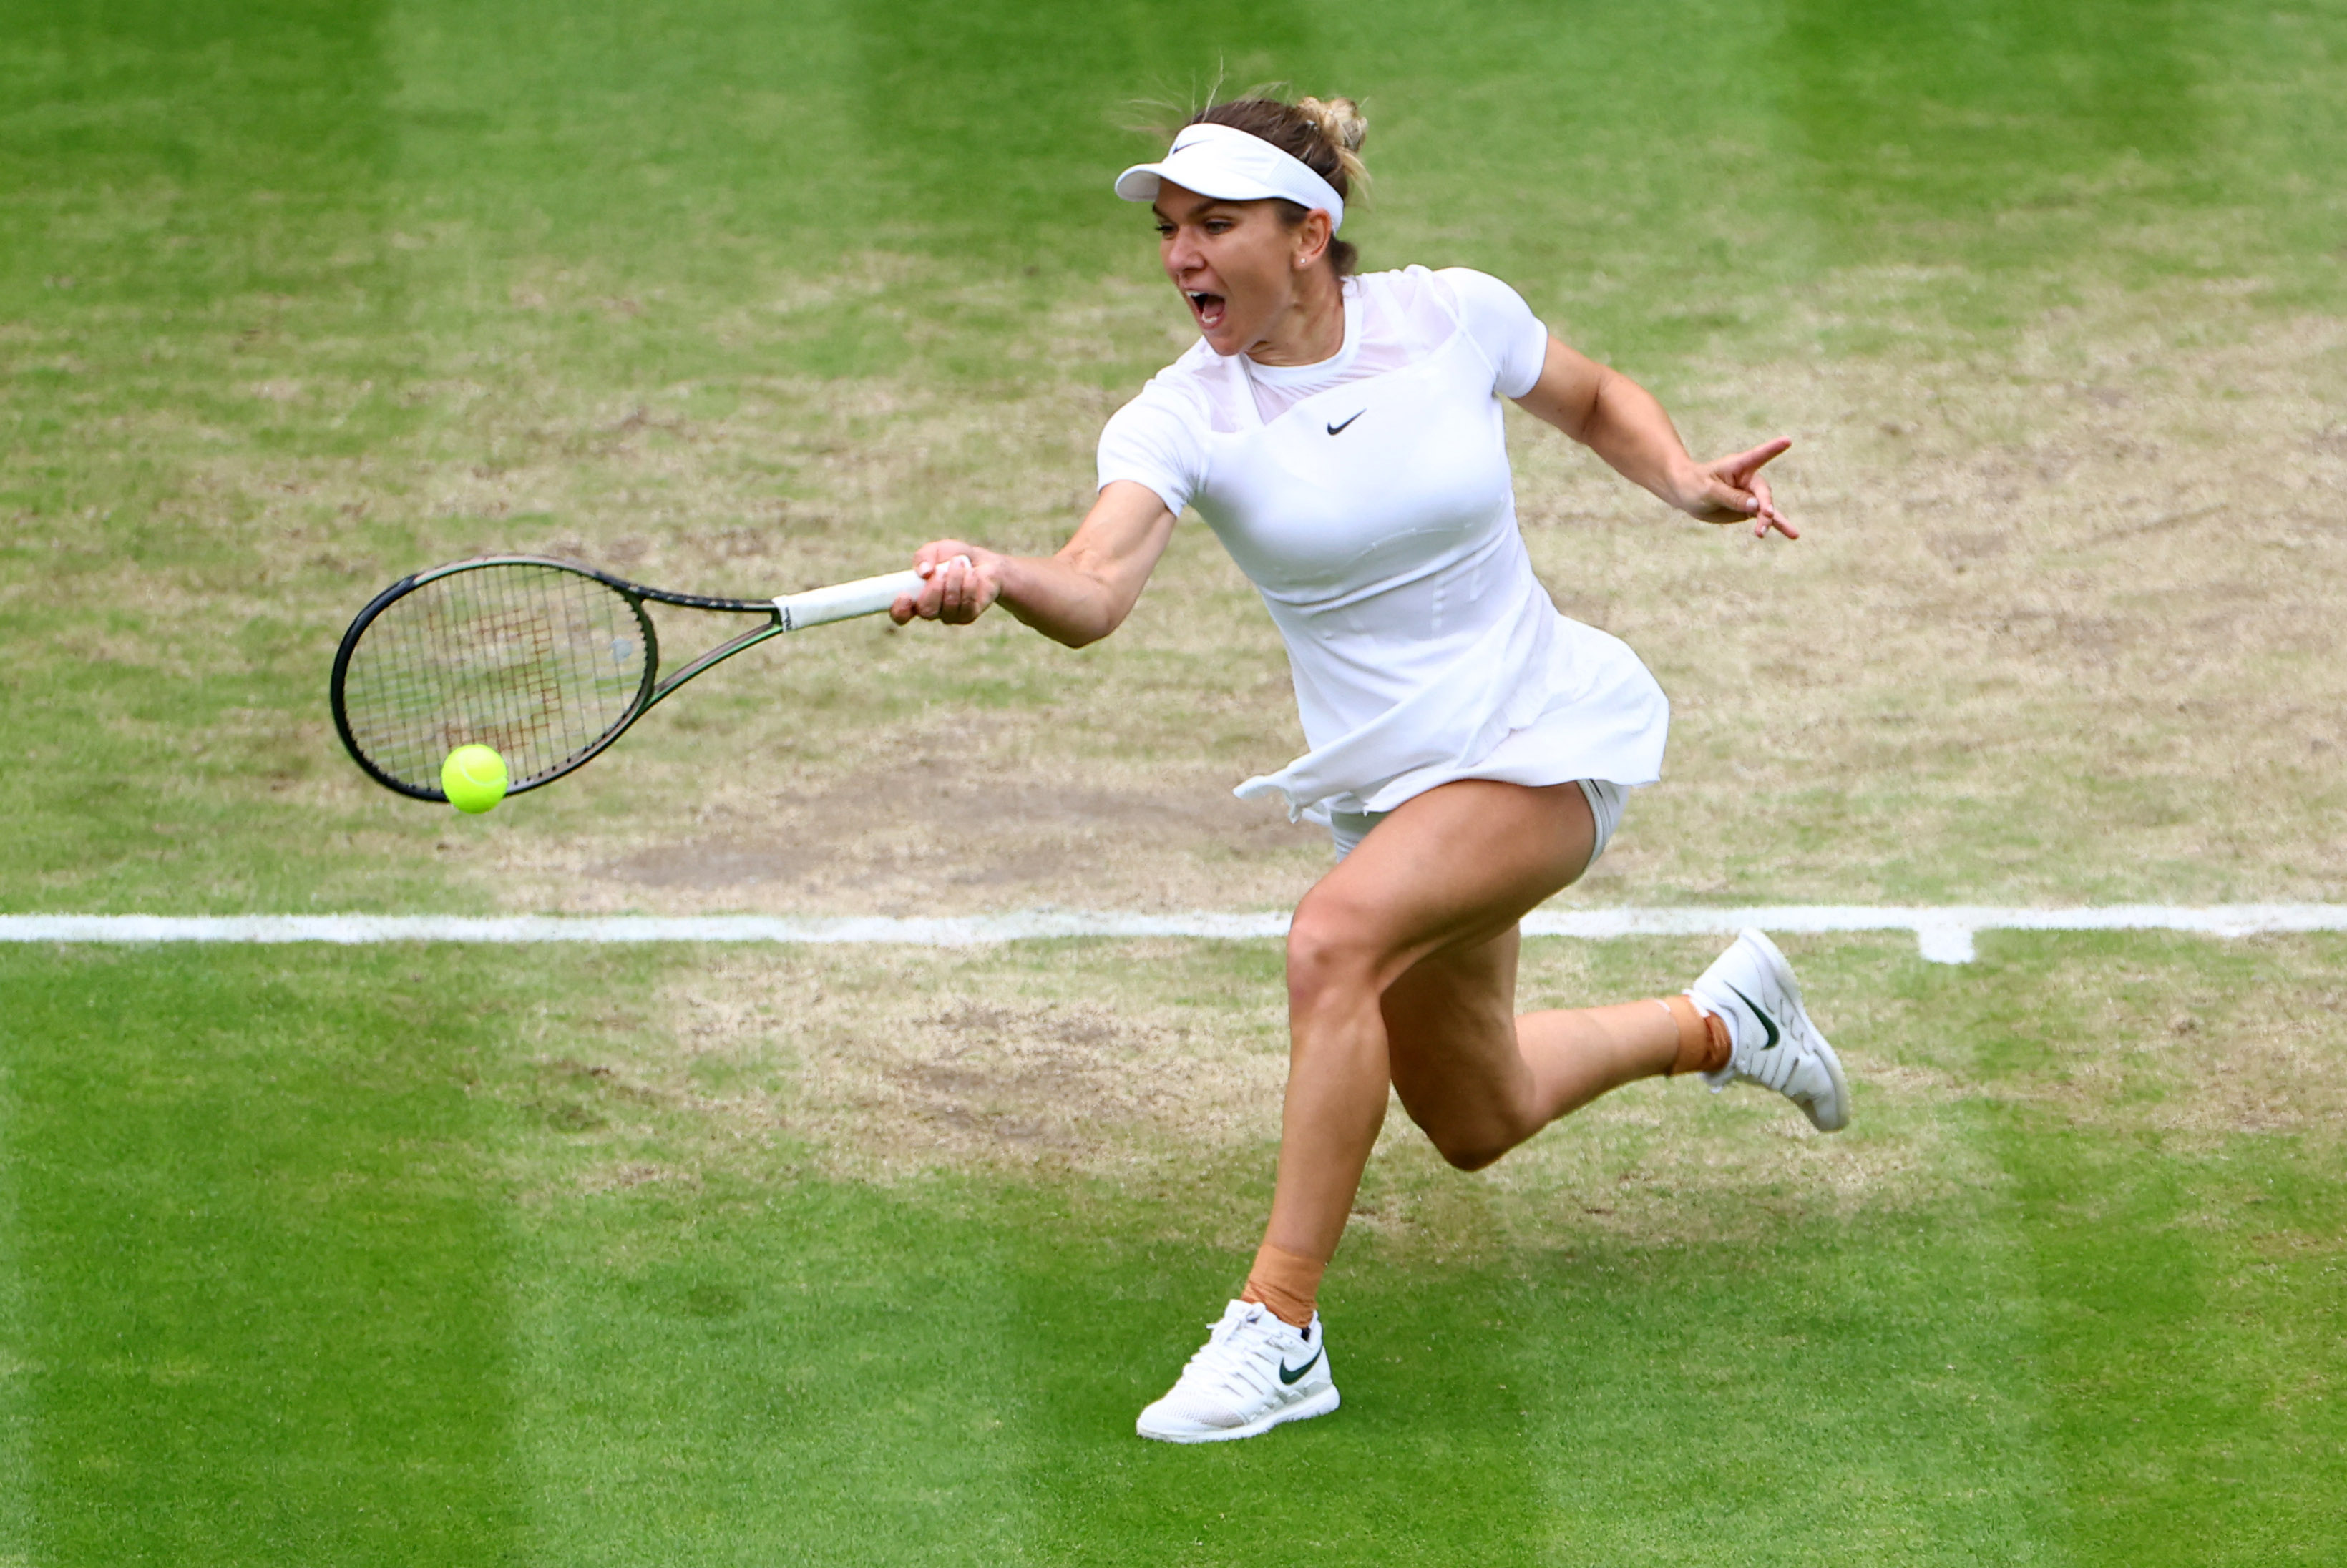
(1156, 439)
(1496, 317)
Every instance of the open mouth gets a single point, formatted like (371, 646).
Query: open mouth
(1208, 309)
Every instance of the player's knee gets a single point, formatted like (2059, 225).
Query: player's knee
(1470, 1136)
(1471, 1148)
(1326, 956)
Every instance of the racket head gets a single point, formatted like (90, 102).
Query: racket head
(547, 660)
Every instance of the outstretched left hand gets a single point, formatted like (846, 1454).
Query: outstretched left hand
(1731, 490)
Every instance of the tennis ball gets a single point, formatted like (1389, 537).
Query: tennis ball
(474, 778)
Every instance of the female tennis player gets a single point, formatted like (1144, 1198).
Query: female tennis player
(1470, 747)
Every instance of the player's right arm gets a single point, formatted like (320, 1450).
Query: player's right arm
(1077, 597)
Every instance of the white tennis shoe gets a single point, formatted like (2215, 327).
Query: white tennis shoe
(1772, 1042)
(1254, 1372)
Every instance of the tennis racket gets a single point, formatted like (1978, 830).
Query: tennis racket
(546, 660)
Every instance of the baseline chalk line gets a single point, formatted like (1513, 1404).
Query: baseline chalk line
(1942, 934)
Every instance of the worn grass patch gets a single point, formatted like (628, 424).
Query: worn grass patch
(2059, 630)
(1155, 1069)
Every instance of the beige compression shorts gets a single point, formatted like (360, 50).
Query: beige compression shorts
(1605, 802)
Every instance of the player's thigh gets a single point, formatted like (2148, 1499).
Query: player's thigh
(1450, 1039)
(1455, 867)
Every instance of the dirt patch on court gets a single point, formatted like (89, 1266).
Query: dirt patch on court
(1090, 1061)
(882, 1062)
(928, 820)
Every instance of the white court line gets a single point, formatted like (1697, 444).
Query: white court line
(1944, 934)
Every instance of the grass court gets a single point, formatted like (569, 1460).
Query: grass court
(453, 1255)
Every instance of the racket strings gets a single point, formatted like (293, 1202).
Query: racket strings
(535, 661)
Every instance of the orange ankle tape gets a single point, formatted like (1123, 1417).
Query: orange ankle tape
(1287, 1282)
(1703, 1037)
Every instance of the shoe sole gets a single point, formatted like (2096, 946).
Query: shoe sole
(1784, 971)
(1319, 1404)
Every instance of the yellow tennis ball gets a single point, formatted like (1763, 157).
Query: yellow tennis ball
(474, 778)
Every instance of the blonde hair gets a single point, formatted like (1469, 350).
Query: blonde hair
(1344, 128)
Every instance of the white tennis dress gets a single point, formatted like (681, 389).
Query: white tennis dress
(1369, 499)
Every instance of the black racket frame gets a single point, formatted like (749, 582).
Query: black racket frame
(650, 694)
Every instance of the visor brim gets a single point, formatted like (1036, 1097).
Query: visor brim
(1140, 183)
(1223, 163)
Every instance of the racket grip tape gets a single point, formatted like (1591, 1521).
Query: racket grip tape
(845, 601)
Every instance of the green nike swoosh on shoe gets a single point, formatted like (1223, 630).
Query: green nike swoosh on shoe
(1761, 1013)
(1240, 1383)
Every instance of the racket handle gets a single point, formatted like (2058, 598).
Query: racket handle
(845, 601)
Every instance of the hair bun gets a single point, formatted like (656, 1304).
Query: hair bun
(1340, 120)
(1344, 128)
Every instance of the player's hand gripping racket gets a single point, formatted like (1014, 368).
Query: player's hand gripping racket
(546, 660)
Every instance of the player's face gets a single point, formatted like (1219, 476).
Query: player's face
(1235, 261)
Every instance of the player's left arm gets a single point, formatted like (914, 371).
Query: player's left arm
(1622, 423)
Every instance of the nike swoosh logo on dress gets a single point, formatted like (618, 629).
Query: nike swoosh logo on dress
(1335, 428)
(1285, 1375)
(1765, 1022)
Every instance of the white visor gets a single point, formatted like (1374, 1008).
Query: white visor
(1228, 164)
